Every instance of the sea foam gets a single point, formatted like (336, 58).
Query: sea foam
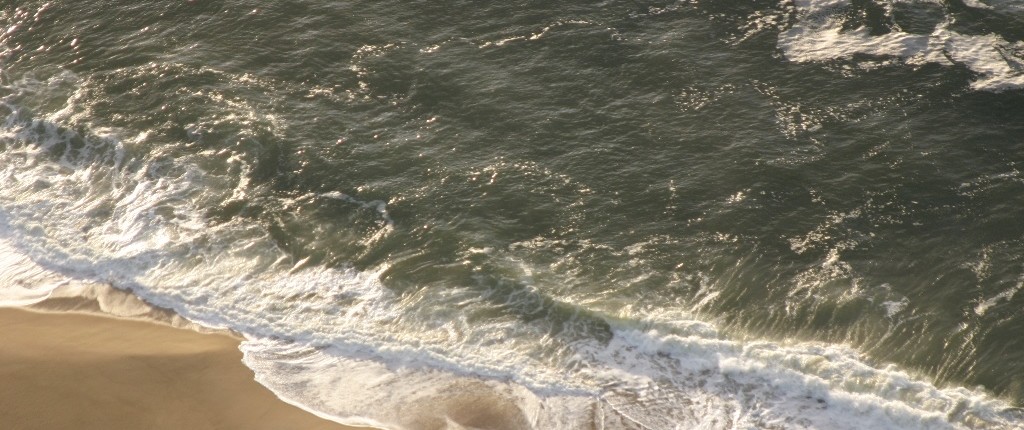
(79, 209)
(819, 36)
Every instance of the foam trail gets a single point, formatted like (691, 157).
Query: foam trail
(640, 379)
(1011, 6)
(818, 36)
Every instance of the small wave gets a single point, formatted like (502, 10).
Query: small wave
(821, 34)
(78, 209)
(641, 379)
(340, 343)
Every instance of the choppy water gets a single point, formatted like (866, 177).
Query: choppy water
(618, 214)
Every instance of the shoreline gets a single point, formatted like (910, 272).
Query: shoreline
(92, 371)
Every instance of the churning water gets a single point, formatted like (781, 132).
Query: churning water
(543, 214)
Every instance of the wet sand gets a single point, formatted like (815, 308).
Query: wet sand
(85, 372)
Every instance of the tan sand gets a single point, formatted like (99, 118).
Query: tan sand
(84, 372)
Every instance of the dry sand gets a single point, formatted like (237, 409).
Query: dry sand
(84, 372)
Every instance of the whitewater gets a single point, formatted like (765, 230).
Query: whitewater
(399, 243)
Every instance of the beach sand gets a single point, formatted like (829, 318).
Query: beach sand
(84, 372)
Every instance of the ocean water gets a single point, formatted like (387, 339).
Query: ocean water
(799, 214)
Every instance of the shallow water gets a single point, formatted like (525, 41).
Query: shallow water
(694, 214)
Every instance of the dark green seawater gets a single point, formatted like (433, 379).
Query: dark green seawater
(628, 214)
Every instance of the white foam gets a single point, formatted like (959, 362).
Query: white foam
(977, 4)
(641, 379)
(23, 281)
(1003, 6)
(1006, 295)
(339, 342)
(818, 36)
(804, 385)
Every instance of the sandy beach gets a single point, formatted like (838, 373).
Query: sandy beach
(80, 371)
